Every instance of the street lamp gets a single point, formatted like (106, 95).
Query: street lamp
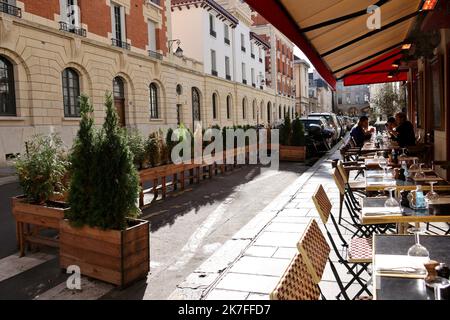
(179, 51)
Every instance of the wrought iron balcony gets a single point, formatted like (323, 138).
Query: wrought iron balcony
(155, 54)
(243, 49)
(260, 60)
(9, 9)
(227, 41)
(63, 26)
(120, 44)
(244, 81)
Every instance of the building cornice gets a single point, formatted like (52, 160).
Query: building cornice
(259, 40)
(209, 5)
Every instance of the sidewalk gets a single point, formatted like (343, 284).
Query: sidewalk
(250, 265)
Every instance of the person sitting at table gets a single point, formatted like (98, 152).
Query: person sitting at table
(361, 132)
(391, 124)
(404, 132)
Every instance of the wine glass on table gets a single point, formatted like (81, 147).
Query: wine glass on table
(420, 174)
(432, 195)
(417, 250)
(391, 202)
(382, 162)
(414, 166)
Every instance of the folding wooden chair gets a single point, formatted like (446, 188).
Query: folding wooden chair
(296, 283)
(353, 208)
(316, 253)
(358, 252)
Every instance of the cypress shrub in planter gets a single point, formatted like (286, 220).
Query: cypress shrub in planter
(101, 234)
(42, 172)
(292, 139)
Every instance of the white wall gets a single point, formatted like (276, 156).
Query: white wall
(218, 44)
(188, 26)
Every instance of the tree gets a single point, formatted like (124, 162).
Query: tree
(82, 155)
(286, 131)
(116, 182)
(389, 101)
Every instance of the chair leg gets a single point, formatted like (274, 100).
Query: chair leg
(341, 203)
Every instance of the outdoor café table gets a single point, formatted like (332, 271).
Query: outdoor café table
(376, 181)
(404, 287)
(370, 147)
(373, 212)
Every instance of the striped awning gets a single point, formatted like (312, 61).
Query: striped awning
(334, 34)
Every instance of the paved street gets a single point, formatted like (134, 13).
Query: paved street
(186, 230)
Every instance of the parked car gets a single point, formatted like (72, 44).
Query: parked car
(332, 120)
(318, 132)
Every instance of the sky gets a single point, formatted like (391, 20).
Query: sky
(301, 55)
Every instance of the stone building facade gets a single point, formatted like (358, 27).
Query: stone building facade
(45, 63)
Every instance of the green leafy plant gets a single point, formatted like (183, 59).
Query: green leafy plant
(298, 133)
(286, 131)
(137, 147)
(42, 169)
(152, 149)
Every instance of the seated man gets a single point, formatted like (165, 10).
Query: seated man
(404, 133)
(391, 124)
(360, 133)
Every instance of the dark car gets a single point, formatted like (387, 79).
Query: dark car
(318, 131)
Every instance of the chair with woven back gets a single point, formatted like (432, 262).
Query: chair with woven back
(357, 251)
(316, 253)
(296, 283)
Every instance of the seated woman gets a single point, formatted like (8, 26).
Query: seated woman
(361, 132)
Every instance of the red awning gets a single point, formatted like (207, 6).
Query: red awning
(337, 35)
(377, 70)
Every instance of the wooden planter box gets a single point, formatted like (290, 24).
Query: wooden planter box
(291, 153)
(39, 216)
(113, 256)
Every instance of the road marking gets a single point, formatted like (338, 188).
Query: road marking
(199, 235)
(13, 265)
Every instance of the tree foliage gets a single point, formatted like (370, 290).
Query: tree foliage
(298, 133)
(111, 183)
(389, 101)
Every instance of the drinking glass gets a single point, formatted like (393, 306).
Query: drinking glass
(432, 195)
(414, 166)
(437, 284)
(420, 174)
(417, 250)
(382, 162)
(391, 202)
(403, 155)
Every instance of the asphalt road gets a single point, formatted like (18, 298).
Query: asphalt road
(186, 229)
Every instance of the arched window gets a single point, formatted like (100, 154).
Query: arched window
(154, 101)
(214, 105)
(7, 90)
(118, 88)
(269, 113)
(244, 108)
(279, 112)
(254, 109)
(196, 116)
(284, 112)
(229, 107)
(71, 92)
